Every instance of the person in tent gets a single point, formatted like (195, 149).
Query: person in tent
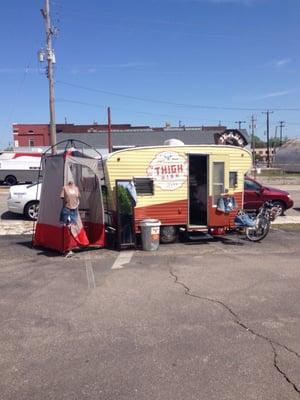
(70, 195)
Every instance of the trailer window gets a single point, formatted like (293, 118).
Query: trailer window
(233, 179)
(218, 180)
(144, 186)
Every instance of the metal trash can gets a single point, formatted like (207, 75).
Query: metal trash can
(150, 229)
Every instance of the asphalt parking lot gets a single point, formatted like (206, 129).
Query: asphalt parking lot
(202, 320)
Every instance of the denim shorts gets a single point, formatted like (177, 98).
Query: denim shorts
(68, 216)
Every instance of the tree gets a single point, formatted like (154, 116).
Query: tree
(9, 147)
(258, 157)
(275, 142)
(258, 143)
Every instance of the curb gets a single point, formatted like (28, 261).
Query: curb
(286, 227)
(290, 220)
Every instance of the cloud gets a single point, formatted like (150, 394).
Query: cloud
(89, 70)
(276, 94)
(241, 2)
(74, 71)
(132, 64)
(282, 62)
(247, 2)
(9, 70)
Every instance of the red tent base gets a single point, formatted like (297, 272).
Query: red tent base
(61, 238)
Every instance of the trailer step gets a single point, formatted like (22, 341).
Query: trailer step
(199, 236)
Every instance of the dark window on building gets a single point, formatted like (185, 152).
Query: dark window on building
(30, 131)
(233, 179)
(144, 186)
(31, 142)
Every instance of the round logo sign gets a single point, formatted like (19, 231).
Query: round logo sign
(168, 170)
(232, 138)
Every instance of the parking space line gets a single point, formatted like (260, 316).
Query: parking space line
(123, 258)
(89, 272)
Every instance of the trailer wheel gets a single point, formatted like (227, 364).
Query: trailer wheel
(168, 234)
(11, 180)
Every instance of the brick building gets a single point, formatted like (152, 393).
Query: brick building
(38, 135)
(30, 135)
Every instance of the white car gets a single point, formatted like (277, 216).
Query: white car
(24, 199)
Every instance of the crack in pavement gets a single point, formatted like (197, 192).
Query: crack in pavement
(238, 321)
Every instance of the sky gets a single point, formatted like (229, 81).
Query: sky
(193, 62)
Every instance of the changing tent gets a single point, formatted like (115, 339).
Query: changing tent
(87, 174)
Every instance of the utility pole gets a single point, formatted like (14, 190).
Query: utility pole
(253, 126)
(240, 123)
(281, 125)
(50, 57)
(268, 136)
(109, 131)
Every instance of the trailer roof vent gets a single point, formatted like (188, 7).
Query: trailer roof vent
(173, 142)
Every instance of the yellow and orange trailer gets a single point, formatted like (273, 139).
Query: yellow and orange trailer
(181, 186)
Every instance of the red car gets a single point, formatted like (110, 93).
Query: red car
(256, 194)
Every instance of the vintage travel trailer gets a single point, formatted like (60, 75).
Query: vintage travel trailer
(181, 186)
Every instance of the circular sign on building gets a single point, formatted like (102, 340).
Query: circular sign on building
(168, 170)
(233, 138)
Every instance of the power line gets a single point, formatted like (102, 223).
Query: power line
(268, 112)
(18, 90)
(253, 121)
(240, 123)
(62, 100)
(150, 100)
(281, 126)
(50, 60)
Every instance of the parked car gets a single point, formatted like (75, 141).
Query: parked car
(256, 194)
(24, 199)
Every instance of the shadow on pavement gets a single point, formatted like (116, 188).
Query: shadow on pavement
(41, 251)
(232, 241)
(15, 217)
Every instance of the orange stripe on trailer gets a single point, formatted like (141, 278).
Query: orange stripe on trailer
(171, 213)
(218, 218)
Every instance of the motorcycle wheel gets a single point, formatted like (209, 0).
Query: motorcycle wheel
(260, 231)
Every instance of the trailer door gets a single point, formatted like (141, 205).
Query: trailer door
(198, 190)
(218, 182)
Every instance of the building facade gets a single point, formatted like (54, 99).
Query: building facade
(38, 135)
(261, 155)
(125, 135)
(31, 135)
